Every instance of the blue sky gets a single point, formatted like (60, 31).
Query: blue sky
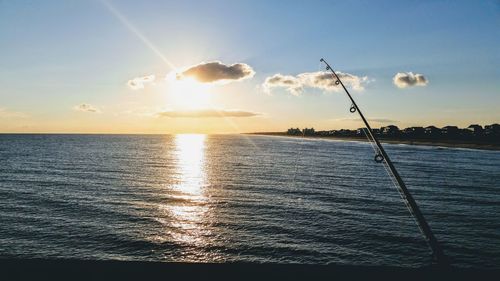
(57, 55)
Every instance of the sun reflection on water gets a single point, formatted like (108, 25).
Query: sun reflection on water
(189, 207)
(190, 156)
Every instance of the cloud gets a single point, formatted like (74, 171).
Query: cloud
(139, 82)
(291, 83)
(8, 114)
(319, 80)
(207, 113)
(215, 71)
(383, 120)
(375, 120)
(408, 79)
(85, 107)
(325, 81)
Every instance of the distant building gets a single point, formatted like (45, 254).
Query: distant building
(346, 133)
(390, 130)
(492, 130)
(361, 131)
(465, 133)
(414, 131)
(323, 133)
(473, 132)
(450, 130)
(492, 127)
(432, 131)
(475, 129)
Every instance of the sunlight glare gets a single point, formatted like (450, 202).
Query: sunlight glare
(188, 214)
(190, 156)
(188, 94)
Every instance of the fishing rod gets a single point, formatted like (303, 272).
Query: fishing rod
(382, 156)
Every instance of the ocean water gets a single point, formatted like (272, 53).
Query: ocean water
(231, 198)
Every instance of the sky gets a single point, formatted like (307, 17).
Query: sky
(245, 66)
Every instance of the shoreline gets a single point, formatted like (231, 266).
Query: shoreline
(423, 142)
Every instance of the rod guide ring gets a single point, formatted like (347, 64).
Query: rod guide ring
(378, 158)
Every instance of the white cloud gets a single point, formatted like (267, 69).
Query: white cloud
(408, 79)
(85, 107)
(319, 80)
(290, 83)
(139, 82)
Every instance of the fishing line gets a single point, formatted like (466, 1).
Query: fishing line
(370, 141)
(392, 178)
(382, 157)
(393, 181)
(403, 198)
(386, 168)
(298, 155)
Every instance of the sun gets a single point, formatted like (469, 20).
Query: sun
(187, 93)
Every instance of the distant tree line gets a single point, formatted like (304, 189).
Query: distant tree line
(473, 132)
(299, 132)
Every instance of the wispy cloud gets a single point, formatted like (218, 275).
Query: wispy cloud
(8, 114)
(85, 107)
(139, 82)
(319, 80)
(376, 120)
(207, 113)
(408, 79)
(290, 83)
(216, 71)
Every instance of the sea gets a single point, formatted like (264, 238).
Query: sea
(243, 198)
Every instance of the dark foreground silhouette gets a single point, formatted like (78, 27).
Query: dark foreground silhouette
(38, 269)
